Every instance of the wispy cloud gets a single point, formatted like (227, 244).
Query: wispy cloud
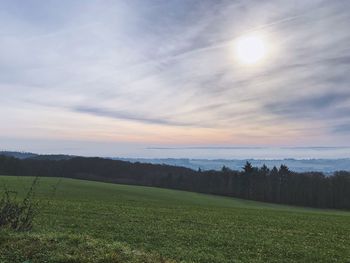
(170, 64)
(127, 116)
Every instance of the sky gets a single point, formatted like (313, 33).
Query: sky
(120, 78)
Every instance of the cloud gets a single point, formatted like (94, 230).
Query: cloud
(311, 106)
(127, 116)
(342, 128)
(171, 64)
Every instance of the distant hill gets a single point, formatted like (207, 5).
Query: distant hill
(19, 155)
(53, 157)
(327, 166)
(29, 155)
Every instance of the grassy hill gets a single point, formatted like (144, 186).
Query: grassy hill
(85, 221)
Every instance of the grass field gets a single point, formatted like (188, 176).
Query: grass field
(96, 222)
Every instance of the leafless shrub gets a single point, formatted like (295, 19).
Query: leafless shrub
(18, 214)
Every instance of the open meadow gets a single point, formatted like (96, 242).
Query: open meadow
(84, 221)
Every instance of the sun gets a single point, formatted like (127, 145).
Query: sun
(250, 49)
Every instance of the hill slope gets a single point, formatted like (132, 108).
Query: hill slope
(87, 221)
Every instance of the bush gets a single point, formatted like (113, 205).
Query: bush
(18, 214)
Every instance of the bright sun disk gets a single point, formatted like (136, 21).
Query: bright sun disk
(250, 49)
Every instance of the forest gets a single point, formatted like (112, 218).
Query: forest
(276, 185)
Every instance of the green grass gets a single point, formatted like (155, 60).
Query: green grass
(97, 222)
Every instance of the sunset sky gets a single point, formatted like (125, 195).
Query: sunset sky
(114, 77)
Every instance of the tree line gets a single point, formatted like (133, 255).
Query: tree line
(276, 185)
